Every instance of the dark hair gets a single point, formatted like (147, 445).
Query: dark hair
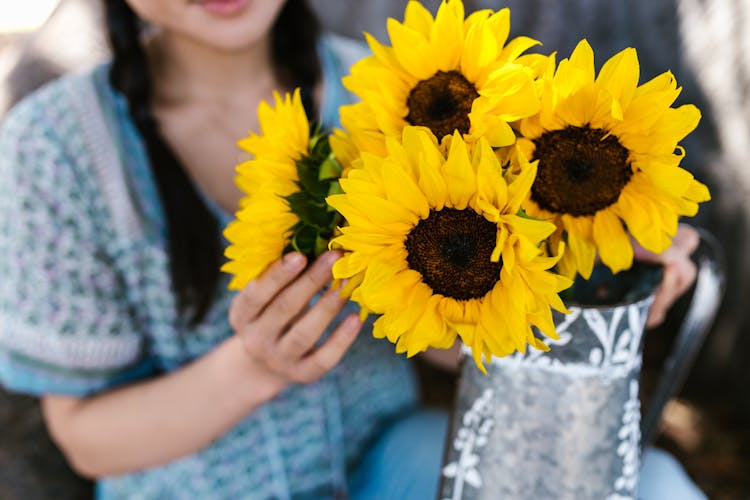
(195, 246)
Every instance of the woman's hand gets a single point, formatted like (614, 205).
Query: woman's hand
(679, 271)
(277, 328)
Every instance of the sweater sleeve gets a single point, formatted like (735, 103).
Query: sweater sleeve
(65, 323)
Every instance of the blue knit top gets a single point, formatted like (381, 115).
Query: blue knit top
(86, 305)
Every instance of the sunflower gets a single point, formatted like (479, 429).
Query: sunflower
(286, 182)
(609, 160)
(435, 245)
(445, 73)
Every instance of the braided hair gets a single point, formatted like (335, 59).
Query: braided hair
(195, 246)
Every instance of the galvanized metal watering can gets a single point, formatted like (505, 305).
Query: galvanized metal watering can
(566, 424)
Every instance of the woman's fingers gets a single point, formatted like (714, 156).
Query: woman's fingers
(683, 245)
(679, 276)
(280, 329)
(320, 361)
(252, 300)
(290, 301)
(306, 331)
(679, 272)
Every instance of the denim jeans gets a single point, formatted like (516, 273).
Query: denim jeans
(405, 463)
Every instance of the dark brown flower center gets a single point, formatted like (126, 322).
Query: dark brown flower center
(581, 170)
(451, 249)
(442, 103)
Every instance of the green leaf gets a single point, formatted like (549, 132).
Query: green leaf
(305, 241)
(321, 245)
(308, 175)
(316, 134)
(309, 211)
(335, 188)
(318, 174)
(329, 169)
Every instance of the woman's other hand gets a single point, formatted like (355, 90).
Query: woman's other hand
(679, 271)
(279, 330)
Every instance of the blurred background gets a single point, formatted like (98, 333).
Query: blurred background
(705, 43)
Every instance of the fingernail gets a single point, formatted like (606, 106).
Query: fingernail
(352, 324)
(293, 261)
(335, 293)
(331, 257)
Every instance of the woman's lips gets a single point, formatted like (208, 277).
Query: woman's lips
(223, 7)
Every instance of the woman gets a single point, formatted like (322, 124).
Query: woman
(155, 380)
(120, 200)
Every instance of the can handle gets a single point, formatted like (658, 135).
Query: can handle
(709, 289)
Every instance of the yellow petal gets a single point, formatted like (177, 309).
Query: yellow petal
(403, 191)
(418, 18)
(583, 252)
(612, 241)
(459, 174)
(409, 49)
(619, 76)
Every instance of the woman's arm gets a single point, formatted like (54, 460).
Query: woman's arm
(159, 420)
(153, 422)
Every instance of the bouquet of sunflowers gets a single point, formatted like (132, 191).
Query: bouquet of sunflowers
(471, 183)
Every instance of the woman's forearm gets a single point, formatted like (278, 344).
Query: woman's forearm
(154, 422)
(278, 339)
